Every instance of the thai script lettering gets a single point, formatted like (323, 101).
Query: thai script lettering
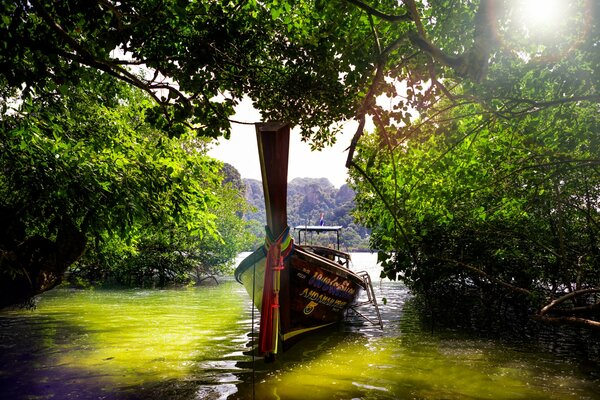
(332, 287)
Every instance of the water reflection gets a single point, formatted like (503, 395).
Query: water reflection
(196, 344)
(126, 343)
(406, 362)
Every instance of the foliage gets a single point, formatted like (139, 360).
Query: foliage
(88, 158)
(470, 203)
(95, 159)
(170, 254)
(291, 58)
(443, 80)
(311, 63)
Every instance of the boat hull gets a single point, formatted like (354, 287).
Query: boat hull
(315, 292)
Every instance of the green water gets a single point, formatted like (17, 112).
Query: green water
(194, 344)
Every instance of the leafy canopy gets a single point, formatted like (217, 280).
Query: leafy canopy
(294, 59)
(492, 187)
(312, 63)
(90, 155)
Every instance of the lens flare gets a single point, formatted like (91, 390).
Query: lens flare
(542, 14)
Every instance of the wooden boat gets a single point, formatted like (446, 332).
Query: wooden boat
(296, 290)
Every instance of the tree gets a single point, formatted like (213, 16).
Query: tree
(475, 174)
(163, 254)
(215, 254)
(503, 211)
(488, 64)
(85, 165)
(310, 63)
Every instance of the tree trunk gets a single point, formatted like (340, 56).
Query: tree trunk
(32, 265)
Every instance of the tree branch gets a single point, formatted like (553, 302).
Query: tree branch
(535, 106)
(364, 107)
(376, 13)
(397, 223)
(566, 297)
(584, 322)
(128, 77)
(473, 63)
(486, 276)
(84, 56)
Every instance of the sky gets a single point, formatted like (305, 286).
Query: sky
(241, 151)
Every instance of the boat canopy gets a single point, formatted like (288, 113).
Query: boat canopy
(318, 229)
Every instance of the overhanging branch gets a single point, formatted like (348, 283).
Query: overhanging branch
(583, 322)
(378, 14)
(566, 297)
(485, 275)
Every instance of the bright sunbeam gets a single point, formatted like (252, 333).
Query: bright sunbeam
(541, 14)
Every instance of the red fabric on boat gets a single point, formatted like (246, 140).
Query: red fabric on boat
(265, 336)
(269, 314)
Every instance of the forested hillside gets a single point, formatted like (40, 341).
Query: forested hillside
(307, 199)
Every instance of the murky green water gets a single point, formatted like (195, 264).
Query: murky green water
(194, 344)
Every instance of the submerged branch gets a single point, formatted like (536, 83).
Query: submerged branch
(584, 322)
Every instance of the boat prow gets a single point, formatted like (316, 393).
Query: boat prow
(314, 292)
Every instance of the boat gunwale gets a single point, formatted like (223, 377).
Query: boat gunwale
(332, 264)
(324, 262)
(248, 262)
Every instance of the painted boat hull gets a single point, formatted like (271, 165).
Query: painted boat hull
(315, 292)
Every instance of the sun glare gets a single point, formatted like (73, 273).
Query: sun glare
(541, 14)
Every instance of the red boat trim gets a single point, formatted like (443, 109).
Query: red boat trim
(269, 314)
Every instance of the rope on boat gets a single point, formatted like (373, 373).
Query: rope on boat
(285, 240)
(277, 250)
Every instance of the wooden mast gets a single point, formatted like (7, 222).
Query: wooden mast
(273, 148)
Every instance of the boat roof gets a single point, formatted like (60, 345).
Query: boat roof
(318, 228)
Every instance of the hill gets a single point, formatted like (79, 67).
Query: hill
(307, 199)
